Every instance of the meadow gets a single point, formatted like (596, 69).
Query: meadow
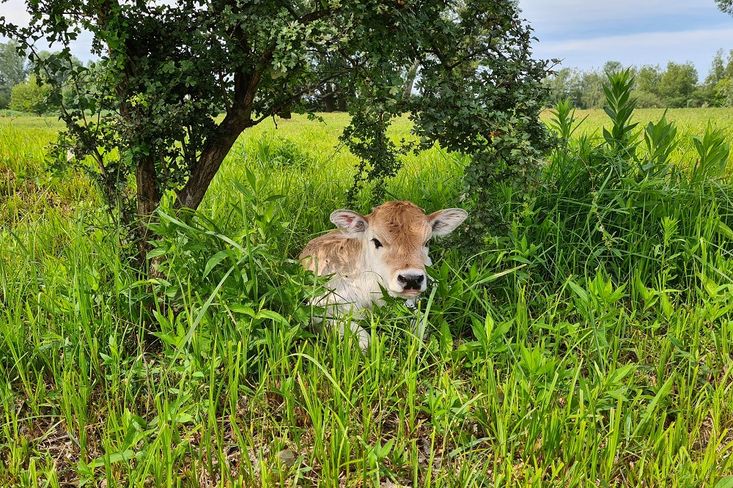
(588, 345)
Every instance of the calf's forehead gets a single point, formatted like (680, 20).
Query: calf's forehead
(400, 221)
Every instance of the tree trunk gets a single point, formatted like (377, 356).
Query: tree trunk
(410, 80)
(286, 112)
(219, 144)
(148, 198)
(329, 100)
(214, 152)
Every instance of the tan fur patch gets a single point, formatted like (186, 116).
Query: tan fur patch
(332, 253)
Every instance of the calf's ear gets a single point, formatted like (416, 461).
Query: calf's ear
(350, 221)
(445, 221)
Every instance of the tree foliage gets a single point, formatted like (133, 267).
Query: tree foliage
(12, 70)
(168, 70)
(30, 96)
(677, 84)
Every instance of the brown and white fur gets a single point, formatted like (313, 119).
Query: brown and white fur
(386, 249)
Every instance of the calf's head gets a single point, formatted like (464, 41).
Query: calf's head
(394, 241)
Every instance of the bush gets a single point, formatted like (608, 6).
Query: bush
(620, 207)
(30, 96)
(648, 100)
(4, 97)
(724, 92)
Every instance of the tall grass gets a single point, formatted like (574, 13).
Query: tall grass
(589, 346)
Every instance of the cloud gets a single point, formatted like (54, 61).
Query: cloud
(572, 16)
(14, 12)
(586, 34)
(696, 46)
(571, 10)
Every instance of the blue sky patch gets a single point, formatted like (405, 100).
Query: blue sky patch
(586, 34)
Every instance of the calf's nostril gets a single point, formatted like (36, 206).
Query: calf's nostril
(401, 279)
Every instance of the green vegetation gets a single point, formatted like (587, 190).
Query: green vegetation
(12, 70)
(676, 85)
(589, 345)
(30, 96)
(725, 6)
(177, 83)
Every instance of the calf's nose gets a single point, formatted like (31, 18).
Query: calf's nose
(411, 281)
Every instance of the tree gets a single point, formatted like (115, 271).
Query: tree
(591, 84)
(717, 69)
(723, 92)
(728, 73)
(564, 84)
(52, 70)
(647, 87)
(725, 5)
(410, 79)
(647, 79)
(677, 84)
(12, 70)
(31, 96)
(168, 69)
(612, 67)
(35, 95)
(707, 91)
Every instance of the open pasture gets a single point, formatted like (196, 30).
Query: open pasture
(590, 345)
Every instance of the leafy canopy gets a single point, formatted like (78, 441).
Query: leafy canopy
(169, 70)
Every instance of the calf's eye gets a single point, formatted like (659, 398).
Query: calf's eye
(377, 244)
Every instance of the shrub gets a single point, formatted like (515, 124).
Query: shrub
(619, 206)
(30, 96)
(648, 100)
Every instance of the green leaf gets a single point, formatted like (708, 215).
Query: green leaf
(579, 291)
(214, 260)
(154, 253)
(725, 482)
(113, 458)
(274, 316)
(243, 309)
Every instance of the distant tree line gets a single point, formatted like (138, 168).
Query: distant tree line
(12, 71)
(676, 85)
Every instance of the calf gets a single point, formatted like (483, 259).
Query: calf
(386, 249)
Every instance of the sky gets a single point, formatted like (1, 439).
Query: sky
(585, 34)
(15, 13)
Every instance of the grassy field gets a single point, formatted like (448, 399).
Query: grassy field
(590, 346)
